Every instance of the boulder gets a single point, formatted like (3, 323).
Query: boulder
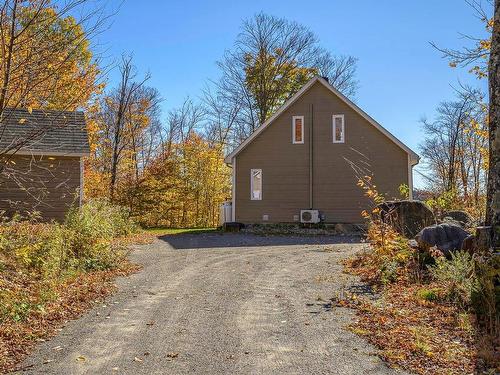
(406, 217)
(460, 217)
(445, 237)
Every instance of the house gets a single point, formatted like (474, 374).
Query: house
(41, 165)
(310, 155)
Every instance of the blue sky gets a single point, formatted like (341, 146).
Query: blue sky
(402, 78)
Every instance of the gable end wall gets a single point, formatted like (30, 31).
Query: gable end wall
(336, 167)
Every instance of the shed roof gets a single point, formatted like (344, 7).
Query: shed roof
(44, 132)
(413, 155)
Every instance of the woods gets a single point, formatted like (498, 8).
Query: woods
(171, 172)
(156, 165)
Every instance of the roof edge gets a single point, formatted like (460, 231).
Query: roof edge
(413, 155)
(48, 153)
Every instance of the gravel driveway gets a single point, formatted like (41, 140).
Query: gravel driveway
(219, 304)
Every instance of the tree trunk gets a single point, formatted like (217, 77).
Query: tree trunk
(493, 194)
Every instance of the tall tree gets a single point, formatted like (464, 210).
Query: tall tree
(453, 147)
(272, 58)
(45, 59)
(125, 126)
(493, 195)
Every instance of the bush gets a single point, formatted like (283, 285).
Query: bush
(36, 248)
(93, 228)
(487, 299)
(428, 294)
(457, 276)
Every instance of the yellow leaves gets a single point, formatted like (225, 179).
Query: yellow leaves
(30, 110)
(22, 121)
(485, 44)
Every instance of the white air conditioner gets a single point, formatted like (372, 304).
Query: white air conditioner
(309, 216)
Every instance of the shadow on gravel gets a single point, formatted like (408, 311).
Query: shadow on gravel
(221, 240)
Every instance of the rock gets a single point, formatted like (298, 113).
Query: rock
(406, 217)
(445, 237)
(460, 217)
(413, 244)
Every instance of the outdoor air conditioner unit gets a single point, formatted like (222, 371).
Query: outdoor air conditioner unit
(309, 216)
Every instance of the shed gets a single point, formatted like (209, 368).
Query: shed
(41, 161)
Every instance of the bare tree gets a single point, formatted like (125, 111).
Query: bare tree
(452, 145)
(118, 117)
(271, 59)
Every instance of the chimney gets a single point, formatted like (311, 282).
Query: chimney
(326, 79)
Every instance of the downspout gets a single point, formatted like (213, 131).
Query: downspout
(233, 193)
(311, 165)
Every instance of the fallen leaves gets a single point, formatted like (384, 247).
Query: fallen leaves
(74, 296)
(424, 338)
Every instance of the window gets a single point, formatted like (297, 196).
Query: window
(338, 129)
(297, 129)
(256, 184)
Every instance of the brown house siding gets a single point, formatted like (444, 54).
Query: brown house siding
(286, 166)
(46, 184)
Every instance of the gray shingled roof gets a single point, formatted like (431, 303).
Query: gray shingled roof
(43, 132)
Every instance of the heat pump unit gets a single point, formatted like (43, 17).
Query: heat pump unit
(309, 216)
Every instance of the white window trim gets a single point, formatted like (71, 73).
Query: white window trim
(342, 140)
(294, 141)
(251, 184)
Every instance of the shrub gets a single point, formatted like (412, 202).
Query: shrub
(486, 300)
(457, 276)
(93, 228)
(36, 248)
(428, 294)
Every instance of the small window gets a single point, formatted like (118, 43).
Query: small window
(298, 129)
(338, 129)
(256, 184)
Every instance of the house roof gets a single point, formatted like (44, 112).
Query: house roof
(414, 158)
(43, 132)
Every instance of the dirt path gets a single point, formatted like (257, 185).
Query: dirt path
(219, 304)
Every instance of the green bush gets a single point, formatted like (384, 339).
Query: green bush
(457, 276)
(428, 294)
(93, 228)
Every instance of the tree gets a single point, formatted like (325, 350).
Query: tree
(476, 55)
(453, 149)
(272, 58)
(45, 59)
(493, 195)
(484, 57)
(125, 128)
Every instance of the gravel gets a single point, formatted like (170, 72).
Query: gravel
(220, 304)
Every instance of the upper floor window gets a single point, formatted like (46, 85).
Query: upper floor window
(338, 129)
(256, 184)
(297, 129)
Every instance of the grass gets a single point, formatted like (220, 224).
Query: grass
(177, 231)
